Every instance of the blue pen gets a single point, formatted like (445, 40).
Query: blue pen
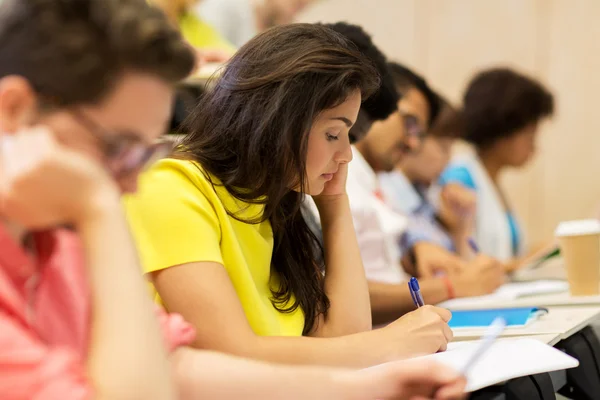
(473, 245)
(412, 295)
(416, 292)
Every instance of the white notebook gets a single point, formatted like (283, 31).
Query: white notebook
(506, 359)
(507, 292)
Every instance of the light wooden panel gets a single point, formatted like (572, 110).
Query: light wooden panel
(390, 22)
(464, 36)
(572, 162)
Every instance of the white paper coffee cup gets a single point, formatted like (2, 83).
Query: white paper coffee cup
(580, 247)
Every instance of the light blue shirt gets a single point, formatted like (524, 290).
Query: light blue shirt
(412, 201)
(460, 174)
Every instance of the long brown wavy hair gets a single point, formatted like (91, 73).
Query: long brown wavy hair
(251, 133)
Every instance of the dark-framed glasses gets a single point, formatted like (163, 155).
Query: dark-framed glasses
(124, 151)
(414, 133)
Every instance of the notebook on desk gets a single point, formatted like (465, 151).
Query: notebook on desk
(514, 317)
(505, 360)
(507, 292)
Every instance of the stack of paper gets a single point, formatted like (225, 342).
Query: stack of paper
(504, 360)
(507, 292)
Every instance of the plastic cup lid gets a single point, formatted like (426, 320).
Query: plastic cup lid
(578, 228)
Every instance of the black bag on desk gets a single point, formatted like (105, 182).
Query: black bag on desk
(583, 382)
(533, 387)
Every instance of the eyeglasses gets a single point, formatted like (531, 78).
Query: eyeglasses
(124, 151)
(412, 126)
(415, 134)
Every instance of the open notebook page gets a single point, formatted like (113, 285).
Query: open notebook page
(504, 360)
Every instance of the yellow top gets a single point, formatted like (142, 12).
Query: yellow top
(201, 35)
(178, 217)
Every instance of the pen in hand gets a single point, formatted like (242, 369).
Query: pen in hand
(473, 245)
(415, 292)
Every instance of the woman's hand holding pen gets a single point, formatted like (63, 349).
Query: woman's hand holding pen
(423, 331)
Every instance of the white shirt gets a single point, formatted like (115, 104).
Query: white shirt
(235, 20)
(378, 227)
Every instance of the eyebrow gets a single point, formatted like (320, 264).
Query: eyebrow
(344, 120)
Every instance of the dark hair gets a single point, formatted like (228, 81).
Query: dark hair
(449, 121)
(250, 132)
(74, 51)
(384, 101)
(406, 79)
(499, 102)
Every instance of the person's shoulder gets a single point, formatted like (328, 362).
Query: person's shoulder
(458, 173)
(171, 170)
(176, 178)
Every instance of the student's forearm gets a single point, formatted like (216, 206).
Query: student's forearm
(391, 301)
(209, 375)
(352, 351)
(462, 246)
(127, 358)
(345, 281)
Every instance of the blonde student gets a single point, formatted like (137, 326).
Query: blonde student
(219, 225)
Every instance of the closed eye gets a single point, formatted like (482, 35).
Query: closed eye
(331, 137)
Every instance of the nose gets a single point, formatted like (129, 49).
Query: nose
(344, 156)
(412, 143)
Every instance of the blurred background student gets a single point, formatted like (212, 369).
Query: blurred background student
(407, 188)
(210, 47)
(197, 32)
(240, 20)
(379, 228)
(502, 110)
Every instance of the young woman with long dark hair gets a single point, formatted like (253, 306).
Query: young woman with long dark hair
(219, 225)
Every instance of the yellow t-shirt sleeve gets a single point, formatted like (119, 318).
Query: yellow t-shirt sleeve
(172, 219)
